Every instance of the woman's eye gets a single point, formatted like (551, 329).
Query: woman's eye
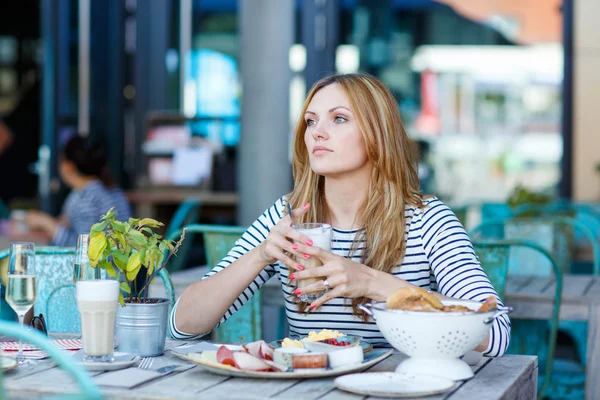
(339, 119)
(310, 122)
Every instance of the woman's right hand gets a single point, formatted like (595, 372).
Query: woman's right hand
(284, 241)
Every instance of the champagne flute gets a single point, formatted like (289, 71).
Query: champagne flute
(82, 270)
(21, 290)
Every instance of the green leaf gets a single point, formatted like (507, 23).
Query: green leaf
(111, 271)
(163, 246)
(133, 221)
(159, 257)
(138, 237)
(131, 275)
(147, 230)
(109, 214)
(125, 287)
(96, 247)
(119, 226)
(150, 269)
(120, 259)
(99, 227)
(150, 222)
(121, 300)
(134, 263)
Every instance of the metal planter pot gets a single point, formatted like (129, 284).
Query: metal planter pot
(142, 328)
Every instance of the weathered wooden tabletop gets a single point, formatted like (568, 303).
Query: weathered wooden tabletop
(533, 298)
(509, 377)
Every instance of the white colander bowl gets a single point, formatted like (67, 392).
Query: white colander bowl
(434, 341)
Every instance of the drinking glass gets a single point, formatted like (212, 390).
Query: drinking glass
(82, 270)
(21, 289)
(97, 301)
(320, 234)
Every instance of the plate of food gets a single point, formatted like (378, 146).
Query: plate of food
(315, 341)
(260, 360)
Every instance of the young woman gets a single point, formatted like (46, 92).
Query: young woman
(354, 168)
(82, 167)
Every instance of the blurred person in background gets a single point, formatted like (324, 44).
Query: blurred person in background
(83, 168)
(354, 169)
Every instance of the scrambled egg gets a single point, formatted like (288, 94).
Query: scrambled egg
(323, 335)
(313, 337)
(289, 343)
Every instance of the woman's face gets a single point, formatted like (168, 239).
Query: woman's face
(333, 139)
(66, 170)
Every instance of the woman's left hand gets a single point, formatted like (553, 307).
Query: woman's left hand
(341, 276)
(37, 220)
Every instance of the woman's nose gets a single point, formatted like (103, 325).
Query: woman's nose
(320, 133)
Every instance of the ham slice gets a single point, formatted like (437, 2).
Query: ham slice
(248, 362)
(260, 349)
(225, 356)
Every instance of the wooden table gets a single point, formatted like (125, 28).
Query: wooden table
(146, 200)
(510, 377)
(533, 297)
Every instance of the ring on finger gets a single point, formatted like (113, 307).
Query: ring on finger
(326, 284)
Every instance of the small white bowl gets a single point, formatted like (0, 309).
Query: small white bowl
(346, 357)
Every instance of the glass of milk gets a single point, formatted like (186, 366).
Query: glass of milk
(320, 234)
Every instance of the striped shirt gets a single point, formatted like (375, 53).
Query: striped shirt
(84, 207)
(439, 257)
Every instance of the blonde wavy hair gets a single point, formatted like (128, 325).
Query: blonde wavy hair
(394, 182)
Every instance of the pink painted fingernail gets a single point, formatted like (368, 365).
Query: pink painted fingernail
(297, 292)
(312, 306)
(309, 242)
(307, 256)
(299, 267)
(292, 277)
(306, 204)
(295, 247)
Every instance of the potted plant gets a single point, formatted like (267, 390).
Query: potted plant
(122, 249)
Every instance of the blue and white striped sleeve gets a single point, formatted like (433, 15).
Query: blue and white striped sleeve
(456, 268)
(255, 235)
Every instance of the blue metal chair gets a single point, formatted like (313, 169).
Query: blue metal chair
(85, 382)
(246, 324)
(54, 269)
(532, 337)
(561, 376)
(187, 214)
(55, 289)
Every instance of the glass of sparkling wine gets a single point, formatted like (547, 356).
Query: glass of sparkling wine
(82, 270)
(320, 234)
(21, 290)
(97, 302)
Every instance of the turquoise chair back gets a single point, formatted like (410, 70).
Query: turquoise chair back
(554, 233)
(64, 361)
(533, 337)
(246, 324)
(187, 214)
(56, 292)
(54, 269)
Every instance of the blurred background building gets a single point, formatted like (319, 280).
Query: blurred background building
(198, 98)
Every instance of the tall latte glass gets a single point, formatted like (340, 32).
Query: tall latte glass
(97, 301)
(320, 234)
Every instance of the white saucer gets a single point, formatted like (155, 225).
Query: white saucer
(8, 363)
(391, 384)
(111, 366)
